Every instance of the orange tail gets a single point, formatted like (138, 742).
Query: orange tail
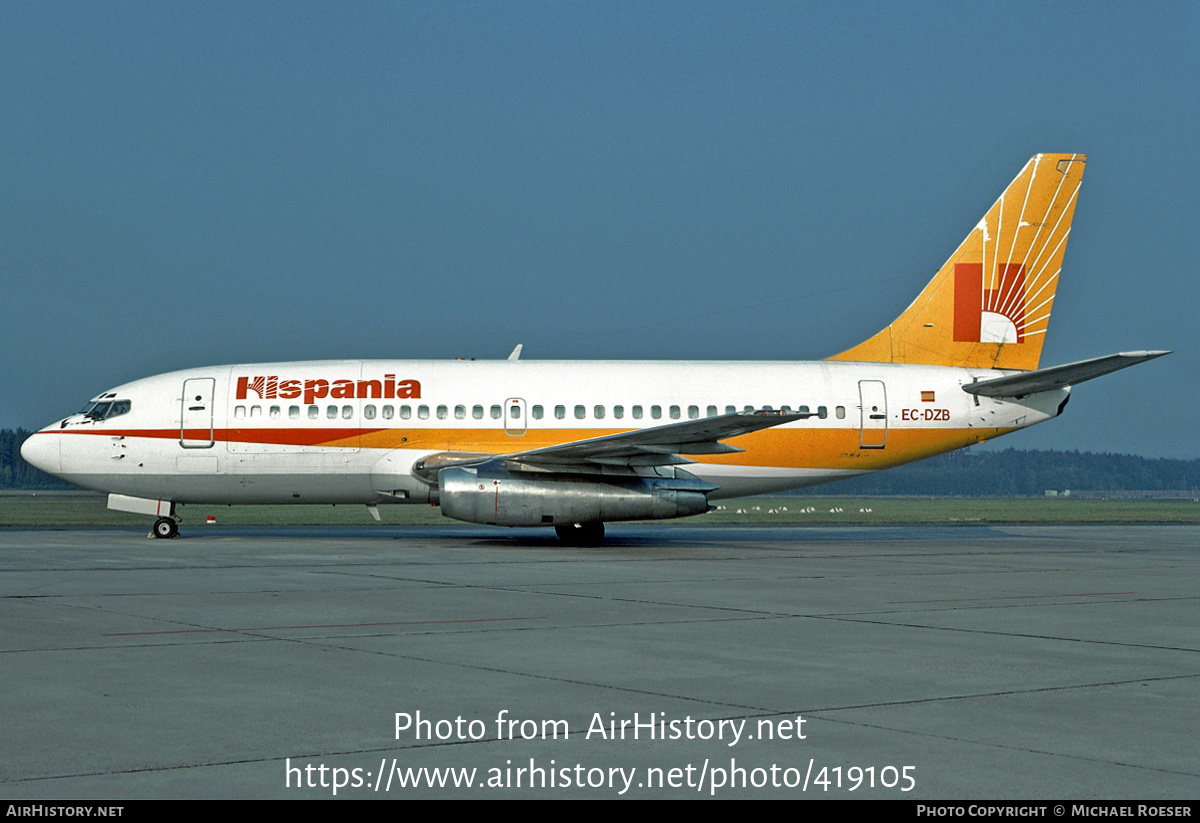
(989, 305)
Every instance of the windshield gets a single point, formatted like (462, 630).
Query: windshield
(104, 409)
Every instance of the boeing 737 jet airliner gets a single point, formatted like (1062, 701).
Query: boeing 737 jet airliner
(576, 444)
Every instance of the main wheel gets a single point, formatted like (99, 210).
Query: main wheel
(580, 534)
(165, 527)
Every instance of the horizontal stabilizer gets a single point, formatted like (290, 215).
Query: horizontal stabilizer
(1055, 377)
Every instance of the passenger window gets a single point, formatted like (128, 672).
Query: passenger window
(347, 412)
(387, 412)
(840, 412)
(239, 411)
(477, 412)
(294, 412)
(748, 409)
(693, 412)
(369, 411)
(313, 412)
(405, 412)
(822, 412)
(537, 412)
(274, 412)
(497, 412)
(330, 412)
(803, 409)
(711, 411)
(731, 409)
(598, 411)
(442, 412)
(656, 412)
(423, 412)
(580, 412)
(637, 412)
(460, 412)
(514, 411)
(256, 411)
(618, 412)
(560, 412)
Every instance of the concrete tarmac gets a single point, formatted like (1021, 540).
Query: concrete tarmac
(964, 662)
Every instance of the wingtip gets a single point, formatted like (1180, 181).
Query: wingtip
(1147, 355)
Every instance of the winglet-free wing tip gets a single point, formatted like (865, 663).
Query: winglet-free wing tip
(1145, 355)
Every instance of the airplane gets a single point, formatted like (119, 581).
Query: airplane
(576, 444)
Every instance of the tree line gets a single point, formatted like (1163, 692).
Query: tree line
(1019, 473)
(967, 472)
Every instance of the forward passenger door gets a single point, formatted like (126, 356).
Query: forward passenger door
(196, 413)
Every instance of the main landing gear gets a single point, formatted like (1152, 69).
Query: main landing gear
(165, 528)
(580, 534)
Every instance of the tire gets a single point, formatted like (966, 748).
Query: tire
(165, 528)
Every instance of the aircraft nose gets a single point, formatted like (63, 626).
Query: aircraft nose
(41, 450)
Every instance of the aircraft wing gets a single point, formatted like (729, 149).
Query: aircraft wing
(657, 446)
(1055, 377)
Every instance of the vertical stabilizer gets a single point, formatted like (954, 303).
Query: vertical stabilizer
(989, 305)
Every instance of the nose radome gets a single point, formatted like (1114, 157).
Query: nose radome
(41, 450)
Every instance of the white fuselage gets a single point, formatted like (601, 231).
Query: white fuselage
(350, 431)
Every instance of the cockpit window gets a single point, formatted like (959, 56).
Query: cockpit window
(104, 409)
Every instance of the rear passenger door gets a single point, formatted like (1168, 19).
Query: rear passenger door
(872, 396)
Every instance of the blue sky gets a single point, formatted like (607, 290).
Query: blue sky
(184, 184)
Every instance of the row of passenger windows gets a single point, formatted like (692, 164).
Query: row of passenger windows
(496, 412)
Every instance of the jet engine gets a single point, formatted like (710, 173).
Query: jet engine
(497, 496)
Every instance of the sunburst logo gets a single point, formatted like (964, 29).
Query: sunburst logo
(992, 312)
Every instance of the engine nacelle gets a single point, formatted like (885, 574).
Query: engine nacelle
(504, 498)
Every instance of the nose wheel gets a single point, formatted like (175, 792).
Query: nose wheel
(165, 528)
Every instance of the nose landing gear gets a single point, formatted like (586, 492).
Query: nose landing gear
(165, 528)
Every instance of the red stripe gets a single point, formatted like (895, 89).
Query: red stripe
(284, 437)
(968, 301)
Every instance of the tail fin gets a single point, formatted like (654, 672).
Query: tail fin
(989, 305)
